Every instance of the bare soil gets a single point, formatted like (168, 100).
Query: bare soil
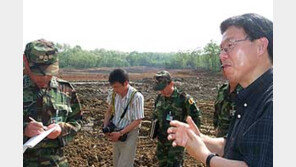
(90, 147)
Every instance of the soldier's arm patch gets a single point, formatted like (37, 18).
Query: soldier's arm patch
(191, 101)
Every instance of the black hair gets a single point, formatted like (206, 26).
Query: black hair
(118, 75)
(255, 26)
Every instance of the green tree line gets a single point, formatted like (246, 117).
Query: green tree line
(76, 57)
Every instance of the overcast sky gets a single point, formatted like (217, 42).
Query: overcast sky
(134, 25)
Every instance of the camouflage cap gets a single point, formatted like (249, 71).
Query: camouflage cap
(42, 56)
(161, 80)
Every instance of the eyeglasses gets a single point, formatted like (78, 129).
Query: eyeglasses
(231, 44)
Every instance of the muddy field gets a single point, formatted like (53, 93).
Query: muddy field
(90, 148)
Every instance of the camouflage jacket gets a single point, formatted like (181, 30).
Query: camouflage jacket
(224, 108)
(176, 107)
(42, 105)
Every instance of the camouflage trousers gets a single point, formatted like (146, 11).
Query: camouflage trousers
(169, 156)
(222, 130)
(44, 158)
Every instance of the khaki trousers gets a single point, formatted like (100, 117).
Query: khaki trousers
(124, 152)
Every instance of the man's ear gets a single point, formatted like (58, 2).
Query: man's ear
(262, 44)
(125, 83)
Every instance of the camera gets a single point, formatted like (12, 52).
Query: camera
(109, 128)
(112, 128)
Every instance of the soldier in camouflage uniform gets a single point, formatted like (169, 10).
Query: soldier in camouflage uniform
(224, 107)
(171, 104)
(47, 102)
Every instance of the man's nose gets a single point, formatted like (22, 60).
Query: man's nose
(223, 55)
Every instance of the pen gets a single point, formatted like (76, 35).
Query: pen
(32, 119)
(56, 118)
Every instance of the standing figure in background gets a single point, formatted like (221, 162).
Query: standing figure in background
(225, 107)
(171, 104)
(123, 118)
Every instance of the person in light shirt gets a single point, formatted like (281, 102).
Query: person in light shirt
(125, 113)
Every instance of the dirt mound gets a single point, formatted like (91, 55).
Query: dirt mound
(90, 147)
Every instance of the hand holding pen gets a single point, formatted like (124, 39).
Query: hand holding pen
(34, 128)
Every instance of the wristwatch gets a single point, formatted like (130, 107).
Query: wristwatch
(208, 160)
